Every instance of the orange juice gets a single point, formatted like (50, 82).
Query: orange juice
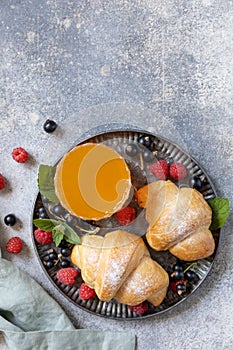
(92, 181)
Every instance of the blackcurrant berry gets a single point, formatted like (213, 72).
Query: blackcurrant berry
(181, 288)
(178, 267)
(177, 275)
(43, 215)
(44, 199)
(64, 263)
(65, 252)
(49, 264)
(41, 210)
(71, 220)
(196, 182)
(145, 140)
(191, 276)
(148, 156)
(10, 220)
(58, 210)
(63, 244)
(53, 255)
(131, 150)
(50, 126)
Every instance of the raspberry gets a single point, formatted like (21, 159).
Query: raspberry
(43, 237)
(160, 169)
(14, 245)
(19, 155)
(126, 215)
(178, 171)
(2, 182)
(85, 292)
(67, 275)
(139, 309)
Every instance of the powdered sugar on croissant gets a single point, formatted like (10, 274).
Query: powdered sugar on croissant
(179, 220)
(119, 266)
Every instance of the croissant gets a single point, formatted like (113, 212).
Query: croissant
(119, 266)
(178, 218)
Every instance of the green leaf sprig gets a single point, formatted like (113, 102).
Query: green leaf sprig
(46, 182)
(59, 229)
(220, 212)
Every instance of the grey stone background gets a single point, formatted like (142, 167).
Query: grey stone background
(165, 66)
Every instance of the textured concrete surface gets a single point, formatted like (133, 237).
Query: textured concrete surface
(165, 66)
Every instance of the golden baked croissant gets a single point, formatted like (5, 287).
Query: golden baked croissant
(179, 220)
(119, 266)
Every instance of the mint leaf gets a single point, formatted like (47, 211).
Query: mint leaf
(220, 212)
(45, 224)
(46, 182)
(58, 234)
(59, 229)
(70, 235)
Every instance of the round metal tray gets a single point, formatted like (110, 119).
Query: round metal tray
(162, 149)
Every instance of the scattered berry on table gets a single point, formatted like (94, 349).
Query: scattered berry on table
(177, 171)
(10, 220)
(126, 215)
(85, 292)
(67, 275)
(43, 237)
(20, 155)
(145, 140)
(196, 182)
(160, 169)
(14, 245)
(131, 150)
(50, 126)
(147, 156)
(139, 309)
(2, 182)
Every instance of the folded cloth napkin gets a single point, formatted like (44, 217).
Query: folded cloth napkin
(31, 320)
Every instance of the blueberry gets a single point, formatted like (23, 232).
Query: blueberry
(191, 276)
(131, 150)
(50, 126)
(147, 156)
(196, 182)
(145, 140)
(10, 220)
(64, 263)
(41, 210)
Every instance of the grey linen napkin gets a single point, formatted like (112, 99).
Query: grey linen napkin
(31, 320)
